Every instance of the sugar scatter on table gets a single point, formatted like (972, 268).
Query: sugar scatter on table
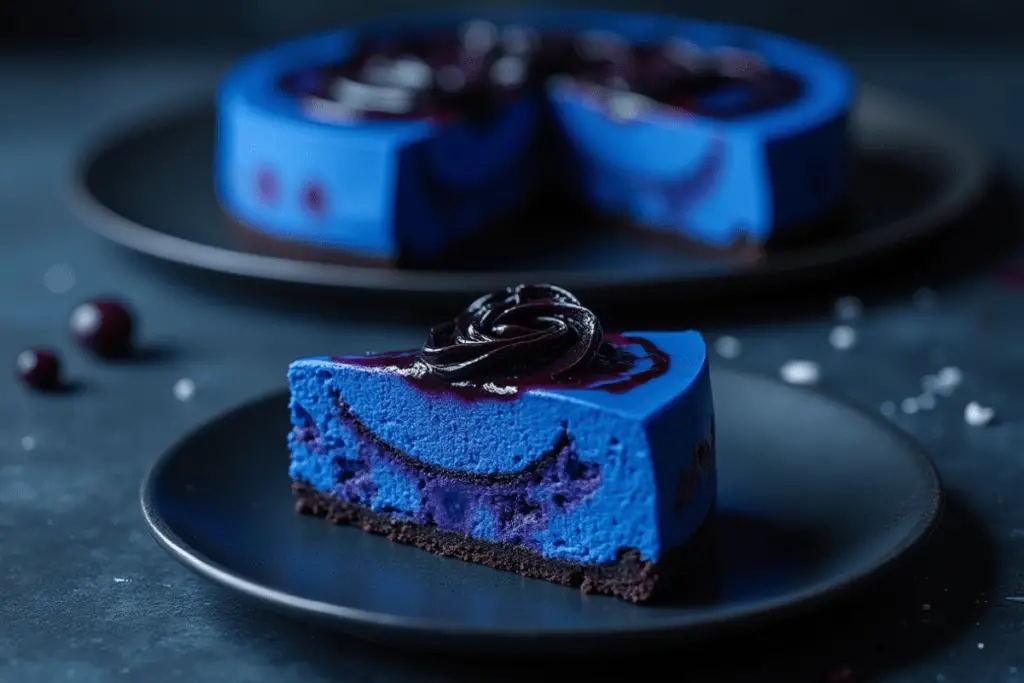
(945, 382)
(842, 337)
(802, 372)
(888, 408)
(184, 389)
(977, 415)
(728, 347)
(28, 443)
(848, 308)
(59, 278)
(910, 405)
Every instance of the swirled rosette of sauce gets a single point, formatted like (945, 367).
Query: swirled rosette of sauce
(524, 337)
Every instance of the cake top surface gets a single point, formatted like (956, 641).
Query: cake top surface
(541, 338)
(826, 85)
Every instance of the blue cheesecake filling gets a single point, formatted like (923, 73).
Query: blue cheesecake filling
(579, 474)
(512, 508)
(519, 423)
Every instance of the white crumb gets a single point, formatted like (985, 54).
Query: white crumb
(977, 415)
(728, 347)
(803, 372)
(184, 389)
(848, 308)
(842, 337)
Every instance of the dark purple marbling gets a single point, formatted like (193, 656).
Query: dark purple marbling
(519, 503)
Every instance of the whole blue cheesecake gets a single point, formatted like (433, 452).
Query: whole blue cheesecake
(399, 140)
(521, 437)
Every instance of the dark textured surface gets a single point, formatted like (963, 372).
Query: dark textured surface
(88, 597)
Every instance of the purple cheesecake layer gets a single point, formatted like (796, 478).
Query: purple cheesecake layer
(520, 503)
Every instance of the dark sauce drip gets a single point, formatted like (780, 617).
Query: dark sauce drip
(525, 337)
(639, 69)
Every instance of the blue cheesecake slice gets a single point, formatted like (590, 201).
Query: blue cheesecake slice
(521, 437)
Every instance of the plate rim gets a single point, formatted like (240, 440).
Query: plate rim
(352, 618)
(962, 194)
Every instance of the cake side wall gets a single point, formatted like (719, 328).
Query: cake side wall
(670, 172)
(467, 176)
(811, 173)
(284, 167)
(682, 437)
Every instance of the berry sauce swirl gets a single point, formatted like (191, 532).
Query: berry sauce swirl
(524, 332)
(523, 337)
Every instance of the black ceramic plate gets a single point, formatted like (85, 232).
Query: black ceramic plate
(814, 497)
(152, 190)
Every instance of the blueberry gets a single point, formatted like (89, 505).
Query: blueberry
(104, 326)
(39, 369)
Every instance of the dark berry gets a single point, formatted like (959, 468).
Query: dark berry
(104, 326)
(313, 199)
(39, 369)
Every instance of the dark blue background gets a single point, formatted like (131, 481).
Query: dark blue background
(974, 24)
(86, 596)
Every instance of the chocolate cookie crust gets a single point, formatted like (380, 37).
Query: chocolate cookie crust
(629, 577)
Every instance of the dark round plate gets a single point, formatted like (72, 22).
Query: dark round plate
(814, 496)
(151, 190)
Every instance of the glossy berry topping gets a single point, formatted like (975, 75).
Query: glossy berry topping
(523, 330)
(39, 369)
(104, 326)
(470, 69)
(526, 336)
